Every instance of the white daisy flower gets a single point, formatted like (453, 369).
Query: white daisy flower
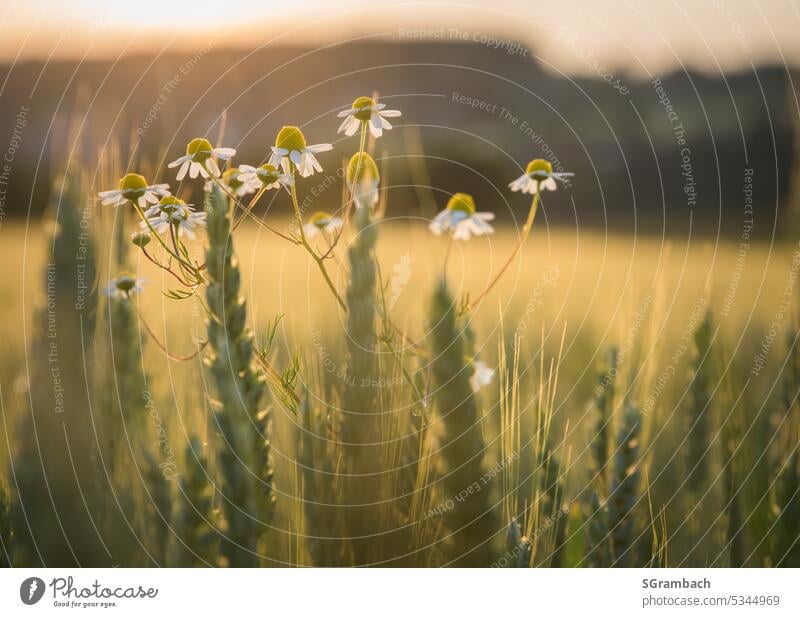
(290, 147)
(200, 159)
(363, 178)
(134, 188)
(322, 223)
(538, 176)
(366, 110)
(124, 285)
(267, 177)
(461, 219)
(174, 212)
(231, 179)
(482, 375)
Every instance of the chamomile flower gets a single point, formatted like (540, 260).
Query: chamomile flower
(482, 375)
(461, 219)
(363, 178)
(173, 212)
(366, 111)
(322, 223)
(134, 188)
(538, 176)
(290, 147)
(232, 179)
(126, 284)
(266, 177)
(200, 159)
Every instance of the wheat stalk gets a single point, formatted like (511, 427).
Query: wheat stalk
(470, 526)
(195, 540)
(624, 486)
(244, 456)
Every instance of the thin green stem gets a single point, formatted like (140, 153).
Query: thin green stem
(526, 230)
(304, 241)
(349, 207)
(247, 212)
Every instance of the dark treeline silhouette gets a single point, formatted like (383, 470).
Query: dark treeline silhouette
(476, 114)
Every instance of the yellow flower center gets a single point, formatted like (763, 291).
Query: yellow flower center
(365, 165)
(320, 219)
(200, 149)
(291, 138)
(133, 186)
(125, 282)
(363, 105)
(539, 169)
(173, 208)
(461, 202)
(268, 173)
(231, 178)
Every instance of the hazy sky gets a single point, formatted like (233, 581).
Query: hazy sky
(575, 36)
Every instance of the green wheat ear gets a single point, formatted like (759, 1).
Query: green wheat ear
(244, 454)
(518, 547)
(603, 408)
(6, 534)
(786, 508)
(45, 472)
(195, 539)
(598, 539)
(470, 526)
(359, 428)
(698, 405)
(625, 487)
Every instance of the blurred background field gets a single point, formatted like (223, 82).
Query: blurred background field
(644, 295)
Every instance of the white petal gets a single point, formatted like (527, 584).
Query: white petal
(224, 153)
(212, 167)
(194, 169)
(317, 148)
(182, 171)
(246, 169)
(375, 126)
(296, 157)
(462, 231)
(346, 112)
(180, 161)
(391, 113)
(311, 230)
(549, 185)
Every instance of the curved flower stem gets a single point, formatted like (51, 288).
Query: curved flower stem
(158, 236)
(247, 212)
(304, 241)
(249, 208)
(526, 230)
(166, 268)
(348, 209)
(156, 340)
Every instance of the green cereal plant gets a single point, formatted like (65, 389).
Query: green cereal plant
(699, 404)
(603, 410)
(359, 427)
(54, 464)
(195, 539)
(470, 526)
(518, 548)
(244, 450)
(317, 455)
(624, 491)
(786, 510)
(598, 544)
(6, 534)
